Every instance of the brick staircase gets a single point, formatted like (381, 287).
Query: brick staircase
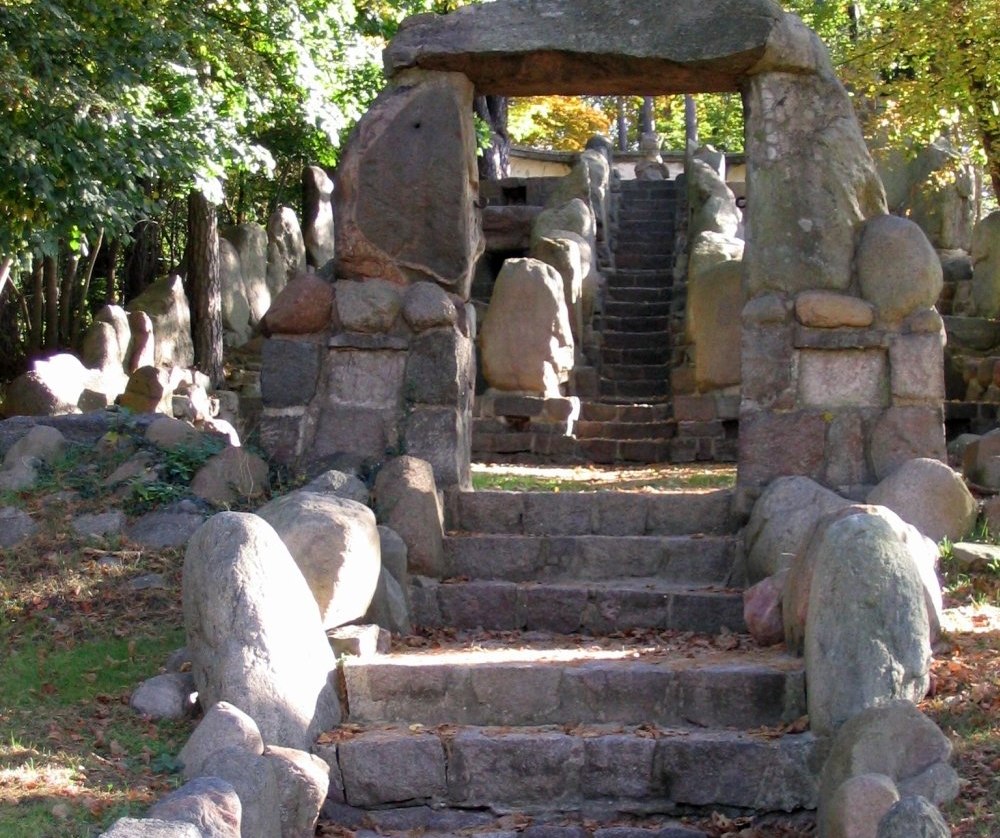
(586, 677)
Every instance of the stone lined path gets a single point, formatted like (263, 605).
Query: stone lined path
(584, 666)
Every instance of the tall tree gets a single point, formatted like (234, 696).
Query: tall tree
(204, 286)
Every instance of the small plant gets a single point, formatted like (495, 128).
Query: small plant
(145, 496)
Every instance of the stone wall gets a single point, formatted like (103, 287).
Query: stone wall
(392, 374)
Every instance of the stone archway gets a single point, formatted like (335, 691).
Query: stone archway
(840, 379)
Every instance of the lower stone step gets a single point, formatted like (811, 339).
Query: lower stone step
(592, 607)
(570, 681)
(680, 559)
(593, 513)
(656, 352)
(437, 822)
(610, 768)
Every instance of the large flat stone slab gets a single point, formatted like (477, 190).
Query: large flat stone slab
(598, 608)
(527, 48)
(516, 558)
(547, 768)
(573, 685)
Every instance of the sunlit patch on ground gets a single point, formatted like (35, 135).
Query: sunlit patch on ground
(592, 478)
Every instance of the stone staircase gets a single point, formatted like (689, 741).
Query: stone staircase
(584, 674)
(635, 347)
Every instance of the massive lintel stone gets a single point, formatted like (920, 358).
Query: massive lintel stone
(407, 185)
(526, 47)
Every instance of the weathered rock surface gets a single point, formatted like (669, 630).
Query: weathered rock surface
(427, 306)
(167, 307)
(52, 386)
(782, 521)
(913, 817)
(714, 303)
(286, 249)
(335, 544)
(370, 307)
(413, 152)
(341, 484)
(406, 500)
(254, 631)
(526, 340)
(317, 221)
(210, 804)
(166, 696)
(986, 266)
(302, 307)
(826, 310)
(762, 609)
(858, 805)
(303, 781)
(896, 740)
(255, 781)
(223, 726)
(151, 828)
(929, 495)
(250, 242)
(867, 637)
(717, 42)
(898, 270)
(16, 526)
(231, 475)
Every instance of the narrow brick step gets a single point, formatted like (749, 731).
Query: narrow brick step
(661, 239)
(637, 390)
(632, 340)
(631, 769)
(641, 323)
(635, 372)
(599, 412)
(639, 294)
(634, 259)
(615, 308)
(677, 559)
(577, 682)
(590, 429)
(615, 451)
(640, 279)
(589, 607)
(656, 353)
(593, 513)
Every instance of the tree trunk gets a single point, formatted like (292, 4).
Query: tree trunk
(5, 267)
(111, 289)
(204, 285)
(37, 312)
(690, 120)
(621, 124)
(80, 302)
(494, 164)
(646, 116)
(67, 287)
(142, 259)
(50, 270)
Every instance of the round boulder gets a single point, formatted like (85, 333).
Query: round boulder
(782, 521)
(929, 495)
(867, 638)
(335, 543)
(898, 270)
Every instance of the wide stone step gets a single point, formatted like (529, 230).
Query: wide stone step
(589, 429)
(628, 768)
(593, 607)
(576, 684)
(678, 559)
(593, 513)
